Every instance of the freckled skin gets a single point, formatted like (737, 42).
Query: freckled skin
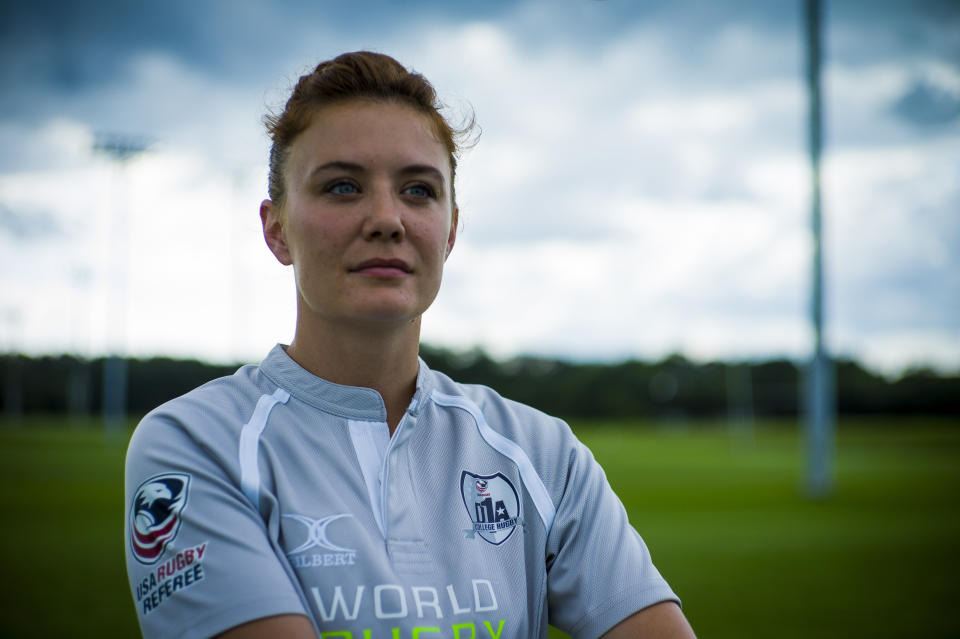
(336, 218)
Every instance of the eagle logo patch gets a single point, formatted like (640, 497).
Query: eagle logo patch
(492, 504)
(155, 515)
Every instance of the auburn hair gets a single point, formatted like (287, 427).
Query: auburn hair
(361, 75)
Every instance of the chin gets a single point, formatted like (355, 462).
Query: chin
(387, 314)
(391, 308)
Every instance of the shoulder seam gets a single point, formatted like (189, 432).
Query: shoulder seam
(508, 448)
(249, 445)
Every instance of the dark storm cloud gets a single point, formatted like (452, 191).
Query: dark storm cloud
(65, 47)
(60, 58)
(867, 31)
(926, 104)
(75, 45)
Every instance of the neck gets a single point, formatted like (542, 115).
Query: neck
(384, 360)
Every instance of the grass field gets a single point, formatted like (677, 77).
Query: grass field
(723, 516)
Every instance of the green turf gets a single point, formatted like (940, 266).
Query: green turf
(723, 515)
(62, 540)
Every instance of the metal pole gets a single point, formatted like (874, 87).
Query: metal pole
(820, 404)
(115, 372)
(13, 373)
(740, 404)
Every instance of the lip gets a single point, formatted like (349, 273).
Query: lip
(383, 267)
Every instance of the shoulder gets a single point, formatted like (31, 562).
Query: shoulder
(513, 427)
(512, 419)
(208, 416)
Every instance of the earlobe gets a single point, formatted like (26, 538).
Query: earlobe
(271, 219)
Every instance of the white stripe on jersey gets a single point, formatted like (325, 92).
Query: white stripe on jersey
(250, 444)
(370, 440)
(538, 492)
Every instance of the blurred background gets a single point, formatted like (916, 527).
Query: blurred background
(635, 255)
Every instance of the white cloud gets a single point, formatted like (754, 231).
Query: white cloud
(57, 143)
(890, 351)
(627, 200)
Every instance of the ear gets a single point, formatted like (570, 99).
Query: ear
(271, 218)
(452, 238)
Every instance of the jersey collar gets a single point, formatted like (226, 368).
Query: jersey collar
(351, 402)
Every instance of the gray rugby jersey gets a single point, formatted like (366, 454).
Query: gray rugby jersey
(273, 491)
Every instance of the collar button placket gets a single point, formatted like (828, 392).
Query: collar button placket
(402, 514)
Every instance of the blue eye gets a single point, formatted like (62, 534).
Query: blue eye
(419, 190)
(343, 188)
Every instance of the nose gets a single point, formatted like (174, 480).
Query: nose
(384, 220)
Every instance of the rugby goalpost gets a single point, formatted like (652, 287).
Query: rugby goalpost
(820, 403)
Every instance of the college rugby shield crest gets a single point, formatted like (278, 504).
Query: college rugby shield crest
(492, 504)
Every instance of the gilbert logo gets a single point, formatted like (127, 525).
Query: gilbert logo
(317, 538)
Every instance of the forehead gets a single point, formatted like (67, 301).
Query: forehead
(375, 135)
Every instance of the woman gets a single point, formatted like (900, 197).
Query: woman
(343, 489)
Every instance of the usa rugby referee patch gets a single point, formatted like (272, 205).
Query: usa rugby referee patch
(492, 504)
(155, 514)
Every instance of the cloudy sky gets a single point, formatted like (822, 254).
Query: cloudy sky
(640, 186)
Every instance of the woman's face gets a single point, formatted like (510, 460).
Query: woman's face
(368, 219)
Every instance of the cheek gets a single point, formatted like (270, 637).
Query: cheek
(315, 236)
(436, 252)
(435, 235)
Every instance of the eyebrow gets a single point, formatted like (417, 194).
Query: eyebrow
(413, 169)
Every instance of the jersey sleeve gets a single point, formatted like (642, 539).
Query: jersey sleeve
(599, 570)
(199, 557)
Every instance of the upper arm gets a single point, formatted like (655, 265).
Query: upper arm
(199, 555)
(664, 620)
(287, 626)
(599, 569)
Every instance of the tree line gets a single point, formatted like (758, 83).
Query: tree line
(671, 387)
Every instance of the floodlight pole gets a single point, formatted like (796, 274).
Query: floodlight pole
(121, 150)
(820, 403)
(13, 384)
